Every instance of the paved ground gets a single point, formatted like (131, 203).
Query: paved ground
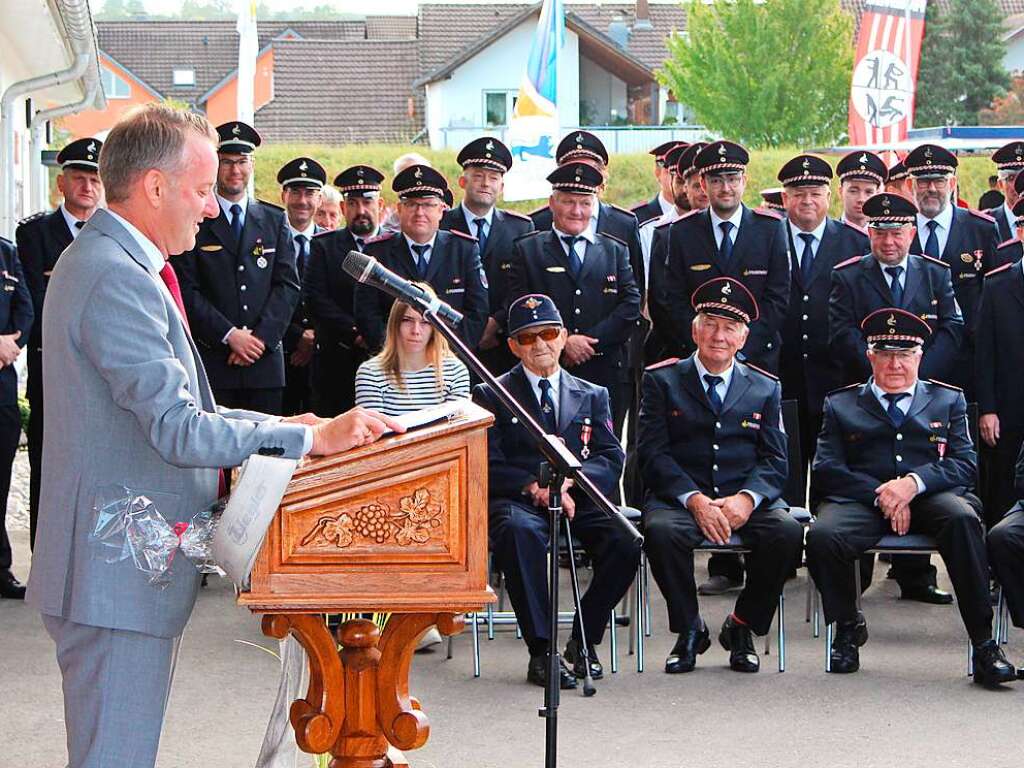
(910, 705)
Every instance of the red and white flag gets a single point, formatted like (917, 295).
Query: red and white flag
(885, 71)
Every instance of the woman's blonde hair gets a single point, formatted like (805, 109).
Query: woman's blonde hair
(388, 359)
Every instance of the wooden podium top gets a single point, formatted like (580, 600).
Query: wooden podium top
(399, 525)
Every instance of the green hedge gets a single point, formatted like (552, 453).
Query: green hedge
(630, 180)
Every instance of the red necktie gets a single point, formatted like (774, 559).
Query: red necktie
(171, 281)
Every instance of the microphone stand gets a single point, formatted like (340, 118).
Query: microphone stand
(560, 463)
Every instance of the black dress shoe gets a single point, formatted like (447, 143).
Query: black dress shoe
(738, 640)
(719, 585)
(10, 587)
(573, 656)
(930, 594)
(683, 656)
(849, 637)
(537, 673)
(990, 665)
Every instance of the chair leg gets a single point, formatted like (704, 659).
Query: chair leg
(476, 645)
(640, 623)
(828, 646)
(647, 594)
(816, 619)
(807, 609)
(782, 631)
(970, 659)
(856, 579)
(613, 642)
(448, 654)
(631, 611)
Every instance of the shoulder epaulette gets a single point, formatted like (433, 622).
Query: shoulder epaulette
(933, 260)
(33, 217)
(645, 222)
(981, 215)
(854, 227)
(531, 233)
(954, 387)
(762, 371)
(768, 213)
(848, 262)
(533, 213)
(620, 209)
(380, 238)
(516, 215)
(5, 241)
(662, 364)
(326, 232)
(613, 237)
(997, 270)
(666, 224)
(461, 234)
(275, 206)
(844, 388)
(1005, 243)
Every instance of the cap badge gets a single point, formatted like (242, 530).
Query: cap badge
(236, 130)
(359, 172)
(891, 322)
(806, 164)
(91, 147)
(489, 146)
(418, 173)
(862, 159)
(531, 303)
(721, 150)
(303, 166)
(726, 289)
(928, 152)
(885, 201)
(579, 139)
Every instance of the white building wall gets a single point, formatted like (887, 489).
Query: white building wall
(458, 102)
(1013, 61)
(9, 75)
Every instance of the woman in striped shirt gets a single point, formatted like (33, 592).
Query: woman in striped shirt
(414, 370)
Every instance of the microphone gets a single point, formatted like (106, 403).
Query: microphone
(366, 269)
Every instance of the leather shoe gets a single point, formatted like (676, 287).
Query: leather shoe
(683, 656)
(537, 673)
(849, 637)
(574, 657)
(990, 665)
(719, 585)
(10, 587)
(738, 640)
(930, 594)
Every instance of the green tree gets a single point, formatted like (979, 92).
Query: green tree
(961, 69)
(765, 73)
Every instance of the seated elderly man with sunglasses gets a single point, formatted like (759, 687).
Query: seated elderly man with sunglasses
(579, 413)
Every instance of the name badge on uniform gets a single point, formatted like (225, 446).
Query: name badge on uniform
(699, 267)
(9, 281)
(751, 272)
(211, 248)
(585, 432)
(556, 269)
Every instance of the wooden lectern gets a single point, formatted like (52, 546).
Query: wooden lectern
(397, 526)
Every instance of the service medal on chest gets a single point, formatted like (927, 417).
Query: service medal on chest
(262, 262)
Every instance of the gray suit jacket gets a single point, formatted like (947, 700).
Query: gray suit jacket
(127, 403)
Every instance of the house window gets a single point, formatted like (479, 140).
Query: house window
(114, 87)
(184, 77)
(498, 107)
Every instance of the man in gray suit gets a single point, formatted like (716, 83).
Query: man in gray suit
(130, 404)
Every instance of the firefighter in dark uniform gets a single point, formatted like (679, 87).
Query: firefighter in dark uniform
(578, 412)
(485, 161)
(895, 455)
(898, 180)
(816, 243)
(861, 175)
(665, 200)
(1009, 160)
(588, 276)
(16, 321)
(329, 292)
(997, 380)
(302, 181)
(890, 276)
(240, 284)
(713, 455)
(448, 261)
(753, 252)
(966, 240)
(772, 200)
(40, 240)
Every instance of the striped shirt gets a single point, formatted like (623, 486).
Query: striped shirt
(374, 389)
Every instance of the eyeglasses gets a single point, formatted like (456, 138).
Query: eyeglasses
(527, 338)
(725, 180)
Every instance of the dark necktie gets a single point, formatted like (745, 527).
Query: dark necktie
(303, 242)
(725, 249)
(481, 233)
(713, 398)
(421, 259)
(547, 407)
(931, 245)
(895, 414)
(236, 222)
(806, 258)
(894, 284)
(360, 242)
(171, 281)
(79, 224)
(575, 264)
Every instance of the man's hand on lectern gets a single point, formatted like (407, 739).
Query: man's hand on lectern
(354, 428)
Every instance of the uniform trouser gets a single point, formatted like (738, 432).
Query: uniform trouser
(35, 464)
(10, 431)
(116, 685)
(997, 468)
(842, 532)
(519, 541)
(1006, 556)
(296, 390)
(671, 534)
(264, 400)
